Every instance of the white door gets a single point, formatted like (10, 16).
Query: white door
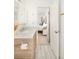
(54, 28)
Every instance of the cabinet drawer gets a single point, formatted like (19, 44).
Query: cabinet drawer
(20, 41)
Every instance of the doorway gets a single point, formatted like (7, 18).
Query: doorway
(43, 20)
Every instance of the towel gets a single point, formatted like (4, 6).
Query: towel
(24, 46)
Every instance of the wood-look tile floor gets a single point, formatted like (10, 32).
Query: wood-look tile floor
(43, 50)
(42, 40)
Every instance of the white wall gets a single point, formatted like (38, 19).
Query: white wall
(27, 12)
(42, 12)
(31, 7)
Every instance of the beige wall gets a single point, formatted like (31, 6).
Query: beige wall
(31, 8)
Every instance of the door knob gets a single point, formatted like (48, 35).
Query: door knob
(56, 31)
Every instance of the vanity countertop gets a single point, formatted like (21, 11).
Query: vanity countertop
(25, 33)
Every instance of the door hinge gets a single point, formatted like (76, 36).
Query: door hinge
(59, 57)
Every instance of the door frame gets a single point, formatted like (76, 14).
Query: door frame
(48, 23)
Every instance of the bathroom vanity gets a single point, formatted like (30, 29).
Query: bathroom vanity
(25, 44)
